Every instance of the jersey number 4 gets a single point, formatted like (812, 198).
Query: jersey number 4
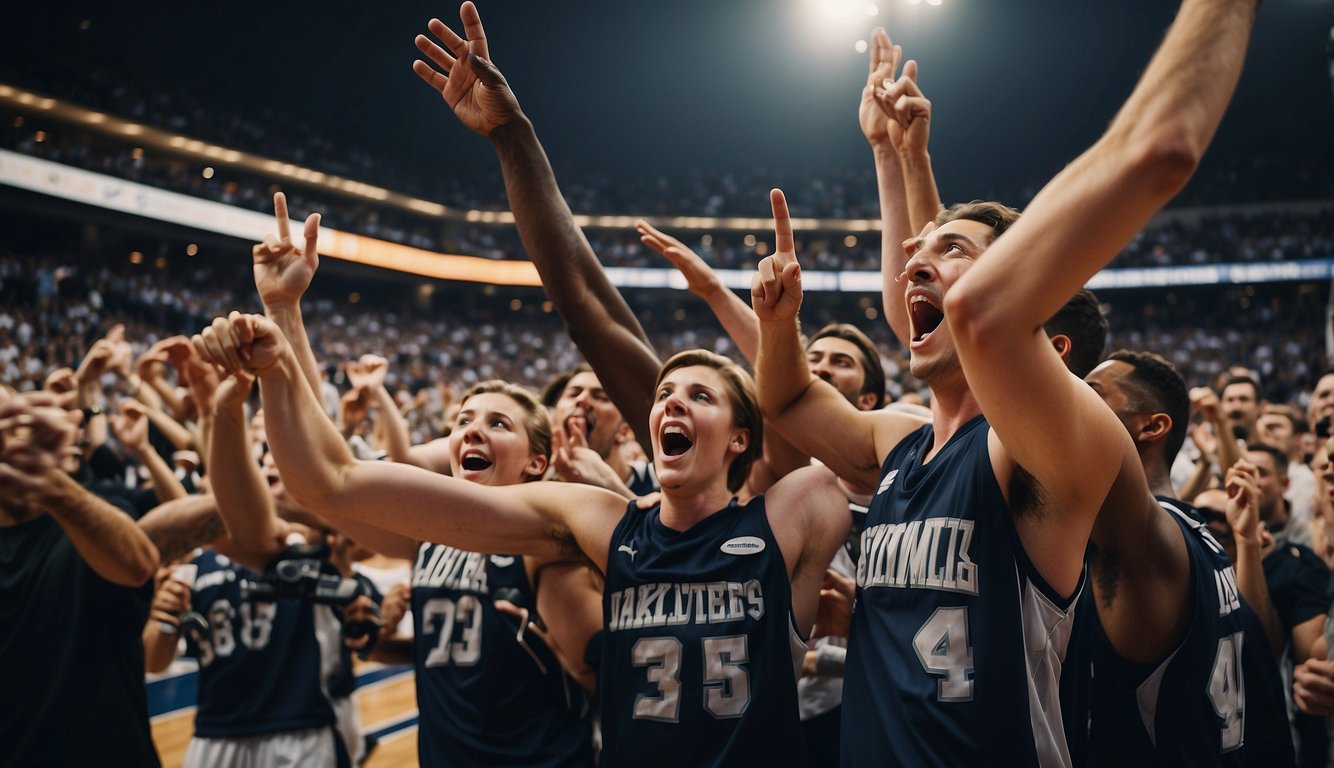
(1227, 689)
(943, 649)
(726, 679)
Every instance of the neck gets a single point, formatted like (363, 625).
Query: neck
(1159, 476)
(951, 408)
(682, 508)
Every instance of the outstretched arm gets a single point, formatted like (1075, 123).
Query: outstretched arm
(808, 411)
(1073, 228)
(553, 521)
(598, 319)
(736, 318)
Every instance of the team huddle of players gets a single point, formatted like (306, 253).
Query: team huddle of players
(1031, 586)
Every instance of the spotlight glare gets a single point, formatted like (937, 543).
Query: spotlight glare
(859, 46)
(872, 9)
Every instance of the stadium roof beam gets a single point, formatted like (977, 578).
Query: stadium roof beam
(178, 144)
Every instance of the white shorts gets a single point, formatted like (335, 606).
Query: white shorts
(311, 748)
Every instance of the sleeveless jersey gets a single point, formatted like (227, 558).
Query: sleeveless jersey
(957, 642)
(484, 700)
(262, 668)
(697, 665)
(1216, 700)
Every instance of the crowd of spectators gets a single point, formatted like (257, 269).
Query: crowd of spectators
(1228, 236)
(56, 306)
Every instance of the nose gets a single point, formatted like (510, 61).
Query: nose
(919, 267)
(674, 404)
(472, 433)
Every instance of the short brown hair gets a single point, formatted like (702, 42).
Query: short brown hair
(995, 215)
(536, 423)
(745, 405)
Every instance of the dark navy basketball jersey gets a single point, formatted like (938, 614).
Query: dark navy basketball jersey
(262, 668)
(697, 664)
(643, 479)
(1216, 700)
(484, 699)
(957, 642)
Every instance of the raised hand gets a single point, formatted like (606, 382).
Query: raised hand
(368, 373)
(1203, 436)
(282, 270)
(467, 80)
(95, 362)
(700, 277)
(1205, 401)
(131, 426)
(122, 354)
(240, 343)
(1243, 500)
(909, 111)
(775, 292)
(151, 362)
(875, 121)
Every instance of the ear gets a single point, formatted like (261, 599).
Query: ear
(624, 434)
(865, 401)
(536, 467)
(739, 442)
(1062, 344)
(1156, 427)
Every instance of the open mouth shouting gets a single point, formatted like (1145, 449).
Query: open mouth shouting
(474, 461)
(924, 314)
(675, 442)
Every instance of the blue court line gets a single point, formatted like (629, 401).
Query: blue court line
(394, 726)
(171, 694)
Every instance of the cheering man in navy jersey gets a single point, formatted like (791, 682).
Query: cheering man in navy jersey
(975, 543)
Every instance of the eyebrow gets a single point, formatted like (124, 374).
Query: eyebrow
(956, 237)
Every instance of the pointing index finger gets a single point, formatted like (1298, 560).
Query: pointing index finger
(785, 246)
(280, 211)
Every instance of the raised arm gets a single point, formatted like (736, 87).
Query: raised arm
(1243, 514)
(34, 435)
(368, 374)
(884, 134)
(131, 428)
(808, 411)
(552, 521)
(596, 315)
(736, 318)
(244, 500)
(1073, 228)
(283, 272)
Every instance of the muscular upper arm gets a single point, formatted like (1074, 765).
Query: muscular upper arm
(1059, 431)
(850, 442)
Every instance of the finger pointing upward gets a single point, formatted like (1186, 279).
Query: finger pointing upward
(280, 212)
(785, 246)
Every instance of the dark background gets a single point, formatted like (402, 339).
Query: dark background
(1020, 86)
